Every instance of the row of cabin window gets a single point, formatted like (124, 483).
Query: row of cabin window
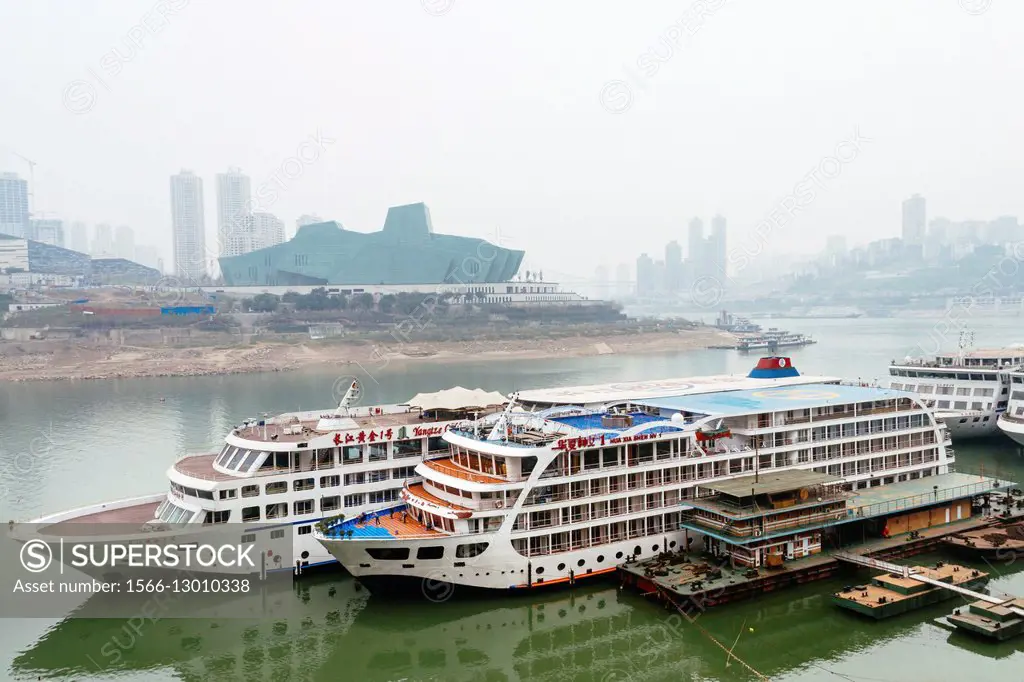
(241, 459)
(301, 484)
(467, 551)
(303, 507)
(948, 376)
(945, 390)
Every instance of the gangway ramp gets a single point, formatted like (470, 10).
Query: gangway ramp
(911, 573)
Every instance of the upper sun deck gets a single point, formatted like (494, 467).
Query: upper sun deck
(385, 422)
(775, 400)
(297, 427)
(979, 359)
(524, 432)
(603, 394)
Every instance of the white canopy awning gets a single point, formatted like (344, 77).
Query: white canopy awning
(457, 398)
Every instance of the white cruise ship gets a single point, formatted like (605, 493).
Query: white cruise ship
(568, 492)
(284, 474)
(969, 388)
(772, 340)
(1011, 422)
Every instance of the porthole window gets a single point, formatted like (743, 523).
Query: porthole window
(580, 563)
(540, 570)
(561, 567)
(636, 550)
(672, 544)
(600, 558)
(655, 548)
(618, 555)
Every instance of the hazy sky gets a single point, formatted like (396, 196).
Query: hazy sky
(497, 114)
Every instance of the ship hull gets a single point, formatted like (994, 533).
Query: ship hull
(1012, 429)
(308, 555)
(498, 569)
(965, 426)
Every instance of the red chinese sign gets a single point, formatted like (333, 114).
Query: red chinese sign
(384, 435)
(421, 431)
(591, 441)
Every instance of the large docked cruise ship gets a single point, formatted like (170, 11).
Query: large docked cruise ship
(284, 474)
(969, 388)
(603, 473)
(1011, 422)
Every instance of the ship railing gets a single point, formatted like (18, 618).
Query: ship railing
(913, 501)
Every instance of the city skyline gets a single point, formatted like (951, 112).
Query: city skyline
(557, 161)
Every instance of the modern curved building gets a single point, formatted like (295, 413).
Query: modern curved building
(405, 251)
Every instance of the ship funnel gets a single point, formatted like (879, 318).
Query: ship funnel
(773, 367)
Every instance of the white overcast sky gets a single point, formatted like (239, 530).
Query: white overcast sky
(491, 113)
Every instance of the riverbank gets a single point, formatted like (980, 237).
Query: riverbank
(66, 360)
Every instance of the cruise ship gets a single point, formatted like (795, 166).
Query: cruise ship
(1011, 422)
(566, 484)
(772, 340)
(282, 475)
(969, 388)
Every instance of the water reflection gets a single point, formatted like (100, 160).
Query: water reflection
(326, 629)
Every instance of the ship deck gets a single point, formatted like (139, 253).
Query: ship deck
(417, 490)
(447, 466)
(201, 466)
(135, 515)
(390, 523)
(282, 431)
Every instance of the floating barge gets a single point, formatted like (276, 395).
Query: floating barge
(763, 533)
(891, 594)
(998, 542)
(998, 621)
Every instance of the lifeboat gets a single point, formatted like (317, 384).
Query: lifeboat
(711, 435)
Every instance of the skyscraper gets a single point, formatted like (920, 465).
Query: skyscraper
(270, 228)
(914, 220)
(103, 242)
(623, 285)
(124, 243)
(717, 247)
(79, 237)
(308, 219)
(695, 241)
(234, 203)
(188, 228)
(253, 232)
(673, 267)
(646, 276)
(14, 216)
(48, 231)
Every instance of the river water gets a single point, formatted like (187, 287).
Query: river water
(69, 444)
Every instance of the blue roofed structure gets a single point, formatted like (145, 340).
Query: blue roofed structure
(730, 403)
